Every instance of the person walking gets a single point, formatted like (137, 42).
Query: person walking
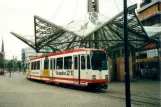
(9, 73)
(140, 73)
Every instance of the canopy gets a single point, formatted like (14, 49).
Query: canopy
(91, 29)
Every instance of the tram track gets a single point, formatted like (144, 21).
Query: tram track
(142, 100)
(136, 98)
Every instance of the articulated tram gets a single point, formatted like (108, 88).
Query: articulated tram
(79, 67)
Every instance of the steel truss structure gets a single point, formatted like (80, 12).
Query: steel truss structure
(81, 33)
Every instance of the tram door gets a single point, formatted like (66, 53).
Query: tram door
(52, 68)
(76, 69)
(79, 68)
(41, 69)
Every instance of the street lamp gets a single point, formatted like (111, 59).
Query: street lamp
(126, 51)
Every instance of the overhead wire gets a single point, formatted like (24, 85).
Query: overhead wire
(57, 10)
(131, 2)
(75, 10)
(117, 6)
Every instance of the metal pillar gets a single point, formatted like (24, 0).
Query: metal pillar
(126, 51)
(96, 38)
(90, 9)
(159, 62)
(96, 34)
(93, 6)
(133, 54)
(35, 35)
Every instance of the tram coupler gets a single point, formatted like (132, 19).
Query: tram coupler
(102, 86)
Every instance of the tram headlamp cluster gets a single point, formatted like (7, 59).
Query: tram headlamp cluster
(106, 77)
(93, 77)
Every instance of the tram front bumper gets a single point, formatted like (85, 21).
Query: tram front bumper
(103, 86)
(99, 85)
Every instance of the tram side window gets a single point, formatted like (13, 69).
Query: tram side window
(52, 64)
(59, 63)
(38, 65)
(46, 64)
(68, 62)
(27, 66)
(82, 62)
(32, 65)
(88, 62)
(75, 62)
(35, 65)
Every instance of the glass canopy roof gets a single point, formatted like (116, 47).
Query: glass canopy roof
(87, 24)
(154, 32)
(94, 30)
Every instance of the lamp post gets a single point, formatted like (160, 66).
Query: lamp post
(126, 57)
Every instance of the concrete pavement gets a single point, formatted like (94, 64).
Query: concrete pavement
(20, 92)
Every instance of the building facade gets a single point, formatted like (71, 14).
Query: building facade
(148, 58)
(28, 53)
(150, 16)
(150, 12)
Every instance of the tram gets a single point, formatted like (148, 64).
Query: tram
(79, 67)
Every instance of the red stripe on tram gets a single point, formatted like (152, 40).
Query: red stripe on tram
(75, 79)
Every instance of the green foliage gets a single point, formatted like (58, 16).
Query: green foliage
(2, 62)
(12, 65)
(19, 65)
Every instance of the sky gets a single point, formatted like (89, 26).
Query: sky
(18, 16)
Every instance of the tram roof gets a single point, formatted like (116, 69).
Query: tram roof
(68, 51)
(76, 33)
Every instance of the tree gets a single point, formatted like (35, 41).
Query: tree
(2, 62)
(19, 65)
(12, 65)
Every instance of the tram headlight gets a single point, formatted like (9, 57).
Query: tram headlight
(93, 77)
(106, 77)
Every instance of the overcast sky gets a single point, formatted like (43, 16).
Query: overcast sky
(17, 16)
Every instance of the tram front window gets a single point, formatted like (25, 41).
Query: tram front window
(98, 60)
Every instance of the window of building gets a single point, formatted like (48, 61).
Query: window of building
(46, 64)
(59, 63)
(68, 62)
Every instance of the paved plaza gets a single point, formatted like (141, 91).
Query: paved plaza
(20, 92)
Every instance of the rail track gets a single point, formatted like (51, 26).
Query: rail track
(135, 98)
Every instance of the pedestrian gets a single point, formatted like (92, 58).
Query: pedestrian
(24, 70)
(137, 73)
(140, 73)
(9, 74)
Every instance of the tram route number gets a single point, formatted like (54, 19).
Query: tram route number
(70, 72)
